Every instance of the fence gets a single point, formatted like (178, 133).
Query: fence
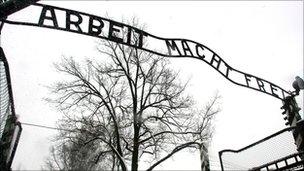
(10, 128)
(5, 107)
(275, 152)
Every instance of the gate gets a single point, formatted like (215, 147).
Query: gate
(275, 152)
(10, 128)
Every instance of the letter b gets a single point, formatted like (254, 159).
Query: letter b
(95, 30)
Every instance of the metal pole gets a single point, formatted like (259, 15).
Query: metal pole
(1, 26)
(220, 156)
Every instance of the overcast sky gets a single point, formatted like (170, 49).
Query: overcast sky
(262, 38)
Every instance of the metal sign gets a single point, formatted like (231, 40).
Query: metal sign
(92, 25)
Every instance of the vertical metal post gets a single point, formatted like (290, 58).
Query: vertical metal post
(1, 26)
(220, 156)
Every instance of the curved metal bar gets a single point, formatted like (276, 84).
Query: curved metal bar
(176, 47)
(258, 142)
(251, 145)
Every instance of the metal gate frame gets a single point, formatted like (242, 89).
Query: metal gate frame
(12, 128)
(299, 157)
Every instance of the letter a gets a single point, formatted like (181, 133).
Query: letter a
(186, 48)
(44, 17)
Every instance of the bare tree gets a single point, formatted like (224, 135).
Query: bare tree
(131, 107)
(73, 154)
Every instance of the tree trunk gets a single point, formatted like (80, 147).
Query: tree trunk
(135, 148)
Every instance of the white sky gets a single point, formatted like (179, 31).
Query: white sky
(258, 37)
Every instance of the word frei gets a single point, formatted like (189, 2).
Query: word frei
(91, 25)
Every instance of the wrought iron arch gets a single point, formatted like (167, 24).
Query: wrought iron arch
(176, 47)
